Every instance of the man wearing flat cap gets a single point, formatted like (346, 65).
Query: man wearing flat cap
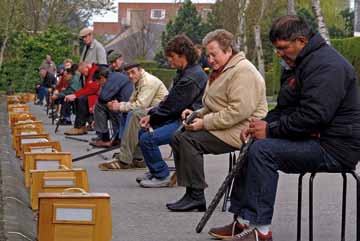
(93, 51)
(116, 61)
(149, 91)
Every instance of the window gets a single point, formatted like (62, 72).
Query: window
(157, 14)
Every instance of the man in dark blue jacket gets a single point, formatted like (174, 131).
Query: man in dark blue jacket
(315, 127)
(163, 120)
(113, 86)
(48, 81)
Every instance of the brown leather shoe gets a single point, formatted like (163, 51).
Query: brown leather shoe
(252, 235)
(101, 143)
(76, 131)
(227, 231)
(116, 142)
(136, 163)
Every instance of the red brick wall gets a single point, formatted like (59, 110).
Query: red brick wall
(170, 10)
(101, 28)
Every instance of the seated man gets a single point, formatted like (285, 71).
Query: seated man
(149, 91)
(235, 93)
(48, 81)
(315, 127)
(85, 99)
(163, 120)
(113, 86)
(74, 84)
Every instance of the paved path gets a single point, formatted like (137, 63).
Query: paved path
(140, 214)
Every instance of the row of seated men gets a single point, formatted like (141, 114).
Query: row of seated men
(315, 125)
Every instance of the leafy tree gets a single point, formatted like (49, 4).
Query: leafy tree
(187, 21)
(348, 16)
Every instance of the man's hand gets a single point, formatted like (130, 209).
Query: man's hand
(257, 129)
(70, 98)
(145, 122)
(196, 125)
(244, 135)
(114, 105)
(186, 113)
(54, 97)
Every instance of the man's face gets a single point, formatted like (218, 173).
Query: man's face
(67, 65)
(134, 74)
(43, 73)
(217, 58)
(101, 81)
(87, 39)
(84, 70)
(117, 63)
(67, 76)
(288, 50)
(176, 61)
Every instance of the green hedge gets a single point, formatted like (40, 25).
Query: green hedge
(166, 75)
(350, 49)
(147, 63)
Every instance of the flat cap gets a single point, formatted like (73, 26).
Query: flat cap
(85, 31)
(114, 55)
(131, 65)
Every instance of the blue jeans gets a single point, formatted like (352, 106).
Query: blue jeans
(254, 189)
(42, 93)
(149, 144)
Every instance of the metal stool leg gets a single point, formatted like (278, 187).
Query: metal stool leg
(227, 193)
(311, 207)
(357, 178)
(298, 236)
(343, 215)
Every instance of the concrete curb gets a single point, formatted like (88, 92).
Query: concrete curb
(17, 220)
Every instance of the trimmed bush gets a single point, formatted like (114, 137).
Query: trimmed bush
(165, 75)
(147, 63)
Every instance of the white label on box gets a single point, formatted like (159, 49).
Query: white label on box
(34, 140)
(42, 150)
(74, 214)
(59, 183)
(47, 165)
(23, 133)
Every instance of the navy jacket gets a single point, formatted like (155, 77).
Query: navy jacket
(49, 81)
(186, 93)
(117, 87)
(320, 99)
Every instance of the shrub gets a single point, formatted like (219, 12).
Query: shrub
(165, 75)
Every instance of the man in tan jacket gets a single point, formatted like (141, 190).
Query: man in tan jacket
(235, 94)
(149, 91)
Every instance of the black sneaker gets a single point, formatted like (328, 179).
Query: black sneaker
(64, 122)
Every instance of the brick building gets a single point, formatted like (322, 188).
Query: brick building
(135, 12)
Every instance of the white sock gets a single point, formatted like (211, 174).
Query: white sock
(243, 221)
(263, 229)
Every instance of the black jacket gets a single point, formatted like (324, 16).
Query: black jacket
(320, 99)
(49, 81)
(186, 93)
(117, 87)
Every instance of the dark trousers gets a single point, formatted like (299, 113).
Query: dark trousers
(254, 190)
(65, 108)
(102, 114)
(81, 111)
(189, 148)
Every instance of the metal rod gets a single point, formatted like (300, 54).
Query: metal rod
(311, 207)
(95, 153)
(76, 139)
(357, 178)
(343, 215)
(298, 236)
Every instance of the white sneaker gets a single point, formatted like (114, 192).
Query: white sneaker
(145, 176)
(155, 182)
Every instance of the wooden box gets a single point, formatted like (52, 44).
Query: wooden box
(55, 181)
(20, 140)
(40, 147)
(45, 161)
(15, 117)
(20, 124)
(74, 217)
(27, 129)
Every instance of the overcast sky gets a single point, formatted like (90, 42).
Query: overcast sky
(112, 16)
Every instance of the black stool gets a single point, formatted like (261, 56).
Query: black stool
(343, 216)
(232, 161)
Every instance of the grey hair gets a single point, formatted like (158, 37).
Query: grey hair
(223, 37)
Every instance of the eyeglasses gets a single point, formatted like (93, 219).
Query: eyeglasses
(281, 49)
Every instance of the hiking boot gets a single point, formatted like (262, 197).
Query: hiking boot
(100, 143)
(145, 176)
(252, 235)
(227, 231)
(155, 182)
(76, 131)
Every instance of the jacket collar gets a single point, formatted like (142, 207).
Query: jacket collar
(316, 42)
(93, 44)
(234, 61)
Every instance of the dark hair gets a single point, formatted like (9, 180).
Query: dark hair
(182, 45)
(289, 27)
(72, 70)
(101, 72)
